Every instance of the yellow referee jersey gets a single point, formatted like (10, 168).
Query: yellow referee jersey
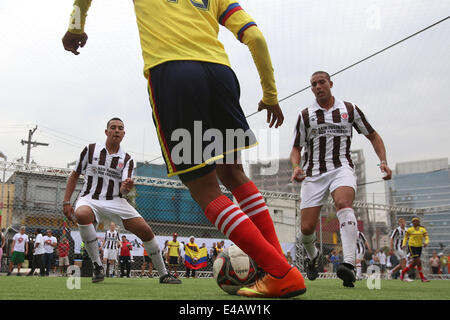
(415, 237)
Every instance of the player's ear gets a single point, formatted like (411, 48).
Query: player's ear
(331, 84)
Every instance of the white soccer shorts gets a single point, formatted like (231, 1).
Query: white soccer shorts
(110, 254)
(401, 254)
(114, 210)
(315, 190)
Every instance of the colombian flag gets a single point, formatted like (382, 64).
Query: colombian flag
(195, 259)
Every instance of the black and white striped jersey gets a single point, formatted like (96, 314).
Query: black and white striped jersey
(326, 135)
(111, 239)
(397, 236)
(103, 172)
(361, 243)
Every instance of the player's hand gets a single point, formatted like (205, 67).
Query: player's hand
(386, 170)
(274, 114)
(126, 186)
(298, 175)
(68, 211)
(72, 41)
(425, 244)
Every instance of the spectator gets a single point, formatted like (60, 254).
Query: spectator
(38, 254)
(289, 258)
(444, 263)
(164, 251)
(213, 252)
(194, 247)
(19, 250)
(173, 254)
(49, 245)
(147, 261)
(125, 257)
(392, 263)
(382, 260)
(335, 260)
(2, 245)
(63, 254)
(435, 263)
(376, 258)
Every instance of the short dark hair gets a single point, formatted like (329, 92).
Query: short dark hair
(322, 72)
(115, 118)
(38, 230)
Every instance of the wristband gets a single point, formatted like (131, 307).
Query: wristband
(383, 162)
(66, 202)
(295, 166)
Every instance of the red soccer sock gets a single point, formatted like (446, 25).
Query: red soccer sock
(420, 273)
(406, 269)
(253, 204)
(237, 227)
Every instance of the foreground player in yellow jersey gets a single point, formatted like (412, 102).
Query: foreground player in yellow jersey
(200, 124)
(414, 237)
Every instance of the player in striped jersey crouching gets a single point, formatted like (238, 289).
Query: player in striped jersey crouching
(108, 171)
(324, 130)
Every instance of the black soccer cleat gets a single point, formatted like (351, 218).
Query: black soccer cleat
(312, 266)
(346, 272)
(169, 279)
(98, 274)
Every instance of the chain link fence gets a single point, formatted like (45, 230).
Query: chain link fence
(32, 196)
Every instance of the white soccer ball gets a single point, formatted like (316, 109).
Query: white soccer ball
(234, 269)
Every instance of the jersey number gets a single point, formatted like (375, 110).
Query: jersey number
(199, 4)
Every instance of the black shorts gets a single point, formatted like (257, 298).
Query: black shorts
(197, 116)
(147, 259)
(415, 251)
(173, 261)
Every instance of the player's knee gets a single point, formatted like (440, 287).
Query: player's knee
(308, 228)
(342, 203)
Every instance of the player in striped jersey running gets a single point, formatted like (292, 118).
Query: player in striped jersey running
(324, 130)
(396, 241)
(361, 245)
(190, 81)
(108, 173)
(110, 246)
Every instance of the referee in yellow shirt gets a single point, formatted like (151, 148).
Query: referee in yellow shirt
(414, 237)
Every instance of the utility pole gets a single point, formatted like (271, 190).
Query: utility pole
(30, 143)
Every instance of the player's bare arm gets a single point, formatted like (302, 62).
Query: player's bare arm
(297, 172)
(380, 150)
(70, 187)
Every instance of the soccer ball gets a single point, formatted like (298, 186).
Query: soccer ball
(233, 269)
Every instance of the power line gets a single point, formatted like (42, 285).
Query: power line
(351, 66)
(364, 59)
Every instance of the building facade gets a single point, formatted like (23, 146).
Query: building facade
(424, 185)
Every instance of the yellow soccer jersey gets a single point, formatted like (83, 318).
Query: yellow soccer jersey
(415, 237)
(188, 30)
(173, 248)
(196, 22)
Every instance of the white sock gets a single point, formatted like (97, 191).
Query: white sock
(111, 269)
(349, 234)
(154, 253)
(89, 237)
(358, 270)
(309, 243)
